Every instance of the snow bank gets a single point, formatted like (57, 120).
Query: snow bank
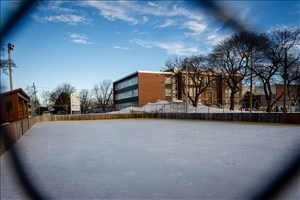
(163, 106)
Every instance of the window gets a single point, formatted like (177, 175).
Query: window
(127, 83)
(227, 92)
(168, 80)
(192, 92)
(128, 94)
(198, 81)
(175, 96)
(190, 81)
(168, 92)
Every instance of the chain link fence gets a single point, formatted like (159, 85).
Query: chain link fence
(242, 107)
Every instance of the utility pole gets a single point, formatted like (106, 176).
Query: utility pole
(186, 85)
(284, 84)
(9, 48)
(35, 99)
(251, 76)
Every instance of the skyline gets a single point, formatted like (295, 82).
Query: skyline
(85, 42)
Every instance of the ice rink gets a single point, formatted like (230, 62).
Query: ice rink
(151, 159)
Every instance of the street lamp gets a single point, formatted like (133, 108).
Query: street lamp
(9, 48)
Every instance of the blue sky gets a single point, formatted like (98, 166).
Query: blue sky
(84, 42)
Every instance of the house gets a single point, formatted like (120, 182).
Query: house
(292, 94)
(14, 105)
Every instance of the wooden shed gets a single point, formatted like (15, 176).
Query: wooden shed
(14, 105)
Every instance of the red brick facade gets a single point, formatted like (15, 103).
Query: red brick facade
(142, 87)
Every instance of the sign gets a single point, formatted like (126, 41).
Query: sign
(75, 102)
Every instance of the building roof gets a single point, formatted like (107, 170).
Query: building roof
(139, 71)
(18, 90)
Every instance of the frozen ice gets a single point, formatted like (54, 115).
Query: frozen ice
(151, 159)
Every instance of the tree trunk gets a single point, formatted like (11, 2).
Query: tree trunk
(269, 107)
(231, 101)
(194, 103)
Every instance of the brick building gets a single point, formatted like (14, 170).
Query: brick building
(142, 87)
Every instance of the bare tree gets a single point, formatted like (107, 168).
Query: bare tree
(199, 76)
(33, 100)
(271, 69)
(60, 97)
(197, 73)
(85, 99)
(232, 61)
(175, 62)
(103, 93)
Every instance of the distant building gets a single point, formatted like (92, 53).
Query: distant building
(14, 105)
(142, 87)
(292, 94)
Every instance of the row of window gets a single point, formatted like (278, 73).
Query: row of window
(127, 83)
(125, 105)
(126, 95)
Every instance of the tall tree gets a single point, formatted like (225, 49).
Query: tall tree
(271, 68)
(85, 99)
(60, 97)
(232, 61)
(103, 93)
(199, 76)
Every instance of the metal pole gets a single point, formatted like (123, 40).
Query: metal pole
(35, 99)
(186, 86)
(251, 76)
(284, 84)
(162, 88)
(9, 48)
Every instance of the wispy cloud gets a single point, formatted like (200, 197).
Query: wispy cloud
(245, 13)
(55, 6)
(177, 47)
(79, 38)
(57, 13)
(112, 10)
(137, 32)
(214, 38)
(196, 27)
(70, 19)
(167, 23)
(139, 12)
(121, 48)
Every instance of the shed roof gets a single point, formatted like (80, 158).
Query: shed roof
(18, 90)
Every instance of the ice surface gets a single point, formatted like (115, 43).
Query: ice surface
(150, 159)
